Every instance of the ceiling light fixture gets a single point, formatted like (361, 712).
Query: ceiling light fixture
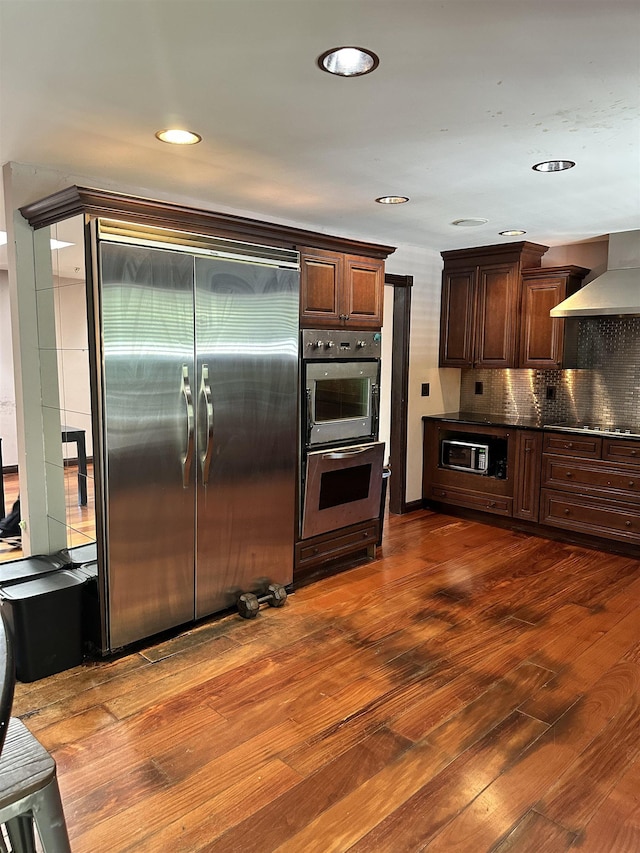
(393, 199)
(464, 223)
(512, 232)
(348, 61)
(553, 165)
(174, 136)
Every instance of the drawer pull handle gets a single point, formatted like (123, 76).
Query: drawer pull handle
(569, 445)
(627, 523)
(316, 550)
(567, 512)
(631, 484)
(569, 474)
(365, 535)
(491, 503)
(608, 482)
(633, 453)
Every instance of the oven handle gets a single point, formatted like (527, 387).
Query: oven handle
(375, 408)
(344, 454)
(310, 423)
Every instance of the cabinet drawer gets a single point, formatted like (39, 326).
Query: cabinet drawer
(621, 450)
(472, 500)
(590, 515)
(330, 546)
(568, 444)
(591, 478)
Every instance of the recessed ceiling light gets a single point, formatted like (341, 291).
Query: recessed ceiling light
(469, 222)
(513, 232)
(348, 61)
(553, 165)
(392, 199)
(174, 136)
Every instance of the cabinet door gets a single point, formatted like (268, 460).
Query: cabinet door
(497, 315)
(321, 272)
(542, 336)
(362, 292)
(456, 317)
(527, 482)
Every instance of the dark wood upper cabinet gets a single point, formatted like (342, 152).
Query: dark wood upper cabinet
(543, 338)
(340, 290)
(480, 310)
(457, 317)
(320, 274)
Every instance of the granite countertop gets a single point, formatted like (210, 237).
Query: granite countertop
(496, 419)
(500, 419)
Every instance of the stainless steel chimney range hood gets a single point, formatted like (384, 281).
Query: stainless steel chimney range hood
(617, 291)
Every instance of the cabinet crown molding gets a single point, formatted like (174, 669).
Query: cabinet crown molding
(76, 200)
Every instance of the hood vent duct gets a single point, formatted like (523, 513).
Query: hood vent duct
(617, 291)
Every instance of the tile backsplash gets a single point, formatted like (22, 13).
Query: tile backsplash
(604, 388)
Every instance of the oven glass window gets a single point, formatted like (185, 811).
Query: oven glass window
(340, 399)
(344, 486)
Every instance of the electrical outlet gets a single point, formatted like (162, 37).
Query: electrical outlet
(479, 388)
(551, 392)
(425, 389)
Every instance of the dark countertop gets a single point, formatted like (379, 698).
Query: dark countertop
(499, 419)
(495, 419)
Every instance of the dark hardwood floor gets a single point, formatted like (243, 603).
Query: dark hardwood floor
(470, 690)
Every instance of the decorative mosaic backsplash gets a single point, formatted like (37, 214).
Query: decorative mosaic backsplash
(603, 389)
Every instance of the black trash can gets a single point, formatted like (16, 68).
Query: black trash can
(29, 568)
(88, 574)
(45, 619)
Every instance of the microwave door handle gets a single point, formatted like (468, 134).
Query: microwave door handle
(310, 423)
(344, 454)
(375, 408)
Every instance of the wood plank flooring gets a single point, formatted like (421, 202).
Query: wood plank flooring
(470, 690)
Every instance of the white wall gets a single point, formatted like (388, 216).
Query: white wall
(444, 385)
(7, 390)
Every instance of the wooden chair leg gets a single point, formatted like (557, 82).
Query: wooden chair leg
(20, 832)
(49, 819)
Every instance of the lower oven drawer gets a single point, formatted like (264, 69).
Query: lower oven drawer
(342, 486)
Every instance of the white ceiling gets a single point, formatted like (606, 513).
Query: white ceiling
(469, 94)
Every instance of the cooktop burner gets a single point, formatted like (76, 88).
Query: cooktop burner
(633, 432)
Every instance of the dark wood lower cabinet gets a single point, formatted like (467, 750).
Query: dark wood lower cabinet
(558, 484)
(593, 516)
(527, 479)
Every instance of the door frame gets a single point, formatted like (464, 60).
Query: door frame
(402, 285)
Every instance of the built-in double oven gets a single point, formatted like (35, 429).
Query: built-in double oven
(342, 460)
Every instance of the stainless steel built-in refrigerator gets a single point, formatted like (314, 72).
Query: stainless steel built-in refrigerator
(199, 403)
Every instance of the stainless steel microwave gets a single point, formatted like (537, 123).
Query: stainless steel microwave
(464, 456)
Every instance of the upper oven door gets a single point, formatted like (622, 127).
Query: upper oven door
(342, 401)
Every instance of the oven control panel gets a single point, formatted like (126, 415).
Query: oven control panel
(329, 343)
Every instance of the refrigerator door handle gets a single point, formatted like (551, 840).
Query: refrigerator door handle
(187, 456)
(205, 455)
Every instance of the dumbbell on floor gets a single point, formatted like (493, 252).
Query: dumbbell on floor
(249, 604)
